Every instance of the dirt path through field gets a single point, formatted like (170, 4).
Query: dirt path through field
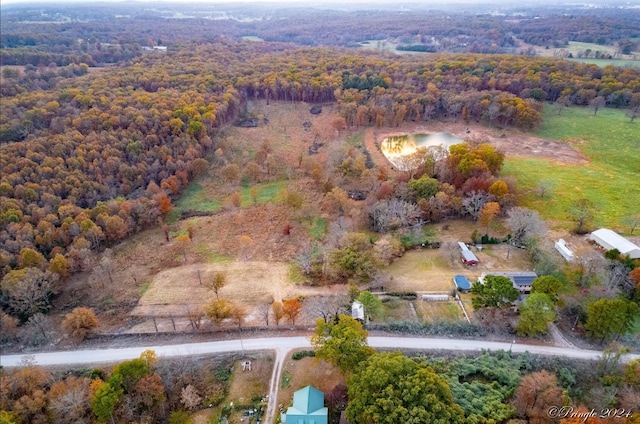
(281, 355)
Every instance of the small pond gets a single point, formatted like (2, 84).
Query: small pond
(396, 148)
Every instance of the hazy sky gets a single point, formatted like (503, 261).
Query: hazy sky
(295, 2)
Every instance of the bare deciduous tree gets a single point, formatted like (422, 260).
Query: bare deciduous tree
(106, 264)
(305, 257)
(473, 203)
(392, 214)
(617, 277)
(329, 307)
(632, 222)
(69, 400)
(189, 397)
(450, 252)
(195, 317)
(544, 187)
(525, 224)
(38, 330)
(265, 311)
(582, 213)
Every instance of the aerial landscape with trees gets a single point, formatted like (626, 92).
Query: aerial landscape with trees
(174, 174)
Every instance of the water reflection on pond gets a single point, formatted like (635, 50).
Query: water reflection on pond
(398, 148)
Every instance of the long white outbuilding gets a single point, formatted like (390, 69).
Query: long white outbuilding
(609, 240)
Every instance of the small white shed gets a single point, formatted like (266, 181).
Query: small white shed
(357, 311)
(435, 297)
(561, 246)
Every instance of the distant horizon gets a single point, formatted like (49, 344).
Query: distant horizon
(373, 3)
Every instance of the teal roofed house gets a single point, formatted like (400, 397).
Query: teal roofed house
(308, 408)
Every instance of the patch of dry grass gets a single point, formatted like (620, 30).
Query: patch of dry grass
(420, 270)
(251, 283)
(398, 309)
(308, 371)
(246, 385)
(433, 311)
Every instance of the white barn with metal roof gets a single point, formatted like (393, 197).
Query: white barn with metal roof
(610, 240)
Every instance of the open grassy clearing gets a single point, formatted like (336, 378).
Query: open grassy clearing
(197, 199)
(287, 140)
(435, 311)
(420, 270)
(247, 386)
(398, 309)
(610, 180)
(386, 45)
(577, 48)
(625, 63)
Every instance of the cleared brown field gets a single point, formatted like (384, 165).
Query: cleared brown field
(174, 290)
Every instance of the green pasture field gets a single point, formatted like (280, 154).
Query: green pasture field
(387, 46)
(575, 46)
(317, 228)
(624, 63)
(610, 141)
(252, 38)
(437, 311)
(196, 198)
(266, 193)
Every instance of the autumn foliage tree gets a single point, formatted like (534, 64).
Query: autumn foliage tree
(218, 281)
(291, 309)
(218, 310)
(277, 311)
(343, 343)
(488, 213)
(80, 322)
(536, 393)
